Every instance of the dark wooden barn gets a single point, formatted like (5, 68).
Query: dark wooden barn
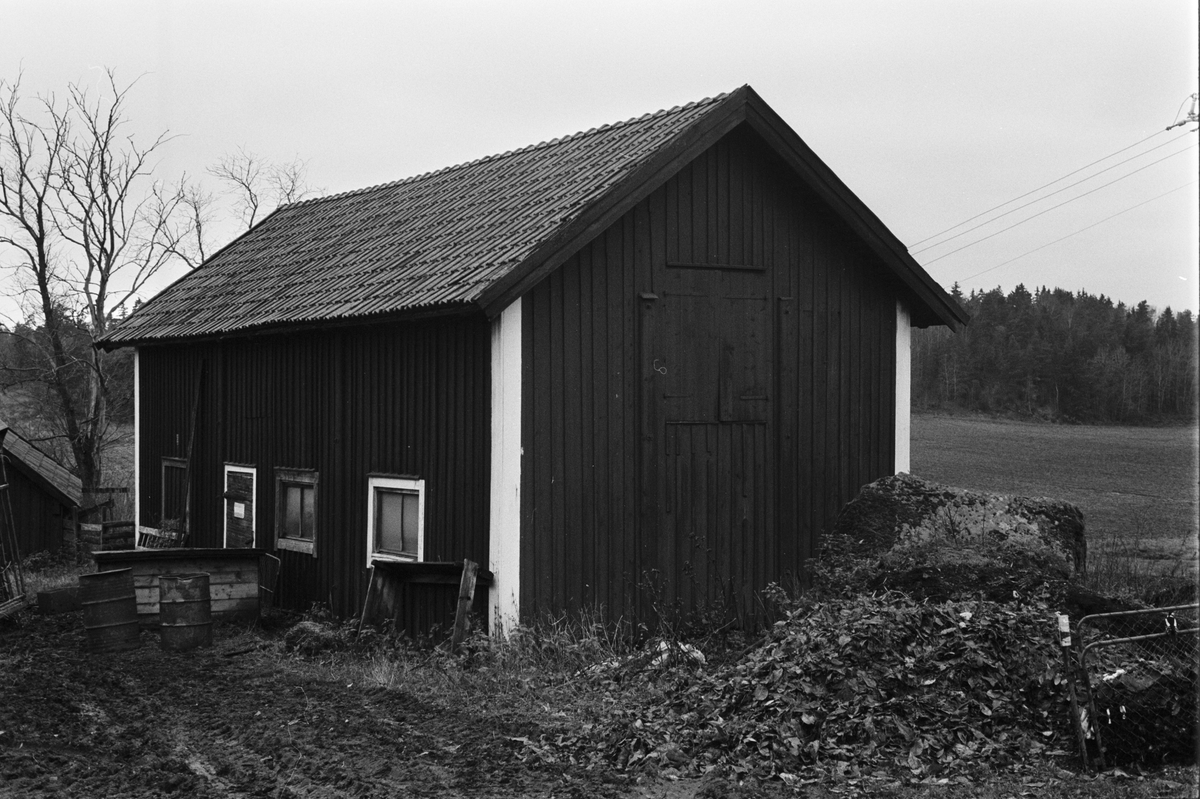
(643, 365)
(43, 495)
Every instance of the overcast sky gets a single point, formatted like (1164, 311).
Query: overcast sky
(931, 112)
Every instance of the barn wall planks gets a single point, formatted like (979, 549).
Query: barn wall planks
(37, 515)
(402, 398)
(665, 468)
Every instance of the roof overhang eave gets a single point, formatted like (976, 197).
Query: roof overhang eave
(458, 308)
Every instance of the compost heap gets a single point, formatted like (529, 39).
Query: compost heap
(927, 645)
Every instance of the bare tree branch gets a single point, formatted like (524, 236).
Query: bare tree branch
(257, 186)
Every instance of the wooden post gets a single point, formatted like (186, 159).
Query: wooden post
(369, 604)
(466, 595)
(1064, 641)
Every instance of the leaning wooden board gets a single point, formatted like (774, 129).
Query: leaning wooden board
(233, 577)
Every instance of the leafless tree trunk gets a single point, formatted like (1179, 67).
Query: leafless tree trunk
(83, 227)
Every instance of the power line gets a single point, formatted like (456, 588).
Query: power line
(1044, 197)
(1060, 205)
(1039, 188)
(1081, 230)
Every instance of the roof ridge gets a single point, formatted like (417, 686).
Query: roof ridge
(509, 153)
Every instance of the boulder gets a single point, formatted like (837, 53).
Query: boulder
(938, 543)
(903, 509)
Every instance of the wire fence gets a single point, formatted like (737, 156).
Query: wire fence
(1137, 703)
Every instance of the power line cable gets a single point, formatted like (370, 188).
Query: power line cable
(1039, 188)
(1060, 205)
(1046, 196)
(1081, 230)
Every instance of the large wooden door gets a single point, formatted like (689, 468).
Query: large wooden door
(708, 409)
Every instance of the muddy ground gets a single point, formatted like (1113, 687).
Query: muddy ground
(239, 719)
(247, 718)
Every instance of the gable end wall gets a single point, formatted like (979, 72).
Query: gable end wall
(594, 485)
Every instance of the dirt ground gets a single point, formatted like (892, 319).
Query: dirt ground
(236, 720)
(244, 718)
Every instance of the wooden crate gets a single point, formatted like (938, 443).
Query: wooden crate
(233, 577)
(105, 536)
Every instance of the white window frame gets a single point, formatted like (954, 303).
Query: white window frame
(253, 472)
(288, 476)
(395, 483)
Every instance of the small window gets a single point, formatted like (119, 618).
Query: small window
(395, 518)
(296, 510)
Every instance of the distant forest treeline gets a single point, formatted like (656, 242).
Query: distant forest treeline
(1062, 356)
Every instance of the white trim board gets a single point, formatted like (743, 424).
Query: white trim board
(504, 534)
(903, 388)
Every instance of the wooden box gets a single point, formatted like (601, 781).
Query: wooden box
(233, 576)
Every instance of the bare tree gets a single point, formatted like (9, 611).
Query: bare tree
(251, 188)
(257, 185)
(83, 226)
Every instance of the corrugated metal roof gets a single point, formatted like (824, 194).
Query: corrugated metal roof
(435, 241)
(53, 473)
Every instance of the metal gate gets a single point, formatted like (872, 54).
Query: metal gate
(1138, 671)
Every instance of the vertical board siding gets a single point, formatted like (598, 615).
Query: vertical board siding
(37, 516)
(409, 398)
(632, 511)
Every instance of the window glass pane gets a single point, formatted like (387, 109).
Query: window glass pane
(309, 521)
(390, 522)
(291, 514)
(412, 503)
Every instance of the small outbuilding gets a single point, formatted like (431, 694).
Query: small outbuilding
(637, 369)
(43, 496)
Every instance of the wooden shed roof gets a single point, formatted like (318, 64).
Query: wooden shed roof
(44, 470)
(477, 235)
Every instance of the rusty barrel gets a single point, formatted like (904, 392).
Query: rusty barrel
(109, 604)
(184, 611)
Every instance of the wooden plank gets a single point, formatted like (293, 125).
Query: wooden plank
(820, 392)
(603, 532)
(108, 560)
(462, 614)
(650, 442)
(555, 570)
(572, 429)
(852, 379)
(151, 578)
(371, 602)
(685, 214)
(736, 215)
(586, 435)
(215, 592)
(632, 571)
(531, 405)
(786, 420)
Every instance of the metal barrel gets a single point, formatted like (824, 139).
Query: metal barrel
(184, 611)
(109, 604)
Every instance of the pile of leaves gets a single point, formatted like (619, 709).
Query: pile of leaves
(847, 686)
